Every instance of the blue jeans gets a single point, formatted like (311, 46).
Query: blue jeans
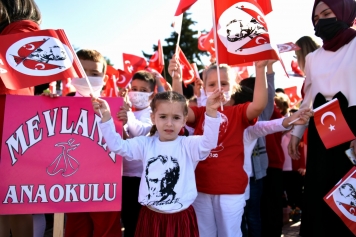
(251, 220)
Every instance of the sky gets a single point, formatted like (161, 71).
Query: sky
(114, 27)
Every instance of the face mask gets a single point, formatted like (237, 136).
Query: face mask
(140, 100)
(327, 28)
(82, 86)
(227, 95)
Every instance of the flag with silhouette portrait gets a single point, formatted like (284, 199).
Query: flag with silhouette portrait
(342, 199)
(242, 32)
(38, 57)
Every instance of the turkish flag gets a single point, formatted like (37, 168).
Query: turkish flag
(183, 6)
(291, 92)
(242, 71)
(157, 60)
(331, 124)
(124, 79)
(133, 63)
(266, 6)
(286, 47)
(187, 70)
(342, 199)
(38, 57)
(242, 32)
(295, 68)
(111, 89)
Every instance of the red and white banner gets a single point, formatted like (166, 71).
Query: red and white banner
(242, 32)
(342, 199)
(331, 124)
(54, 158)
(157, 60)
(33, 58)
(133, 63)
(287, 47)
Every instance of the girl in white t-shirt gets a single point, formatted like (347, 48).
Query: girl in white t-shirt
(167, 187)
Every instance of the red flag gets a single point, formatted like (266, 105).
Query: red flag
(111, 89)
(67, 86)
(124, 79)
(242, 32)
(291, 92)
(187, 70)
(242, 71)
(133, 63)
(295, 68)
(331, 124)
(266, 6)
(38, 57)
(282, 48)
(157, 60)
(183, 6)
(342, 199)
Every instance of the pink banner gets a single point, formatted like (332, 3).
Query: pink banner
(54, 158)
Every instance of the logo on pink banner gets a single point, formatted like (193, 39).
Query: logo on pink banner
(54, 158)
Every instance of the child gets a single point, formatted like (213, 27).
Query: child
(221, 180)
(92, 224)
(167, 187)
(138, 124)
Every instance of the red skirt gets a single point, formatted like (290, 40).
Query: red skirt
(155, 224)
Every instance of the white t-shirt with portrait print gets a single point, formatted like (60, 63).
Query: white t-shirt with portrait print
(168, 180)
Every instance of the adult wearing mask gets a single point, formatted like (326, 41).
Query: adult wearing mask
(330, 73)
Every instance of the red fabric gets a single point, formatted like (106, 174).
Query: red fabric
(300, 163)
(206, 43)
(133, 63)
(111, 89)
(291, 92)
(344, 10)
(12, 28)
(222, 172)
(157, 60)
(183, 6)
(287, 47)
(248, 40)
(124, 79)
(187, 70)
(266, 6)
(296, 69)
(331, 125)
(155, 224)
(273, 145)
(93, 224)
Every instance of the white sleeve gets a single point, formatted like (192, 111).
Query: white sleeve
(298, 130)
(201, 145)
(263, 128)
(201, 100)
(131, 149)
(138, 127)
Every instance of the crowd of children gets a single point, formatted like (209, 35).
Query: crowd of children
(218, 163)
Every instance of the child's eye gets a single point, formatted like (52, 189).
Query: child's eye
(176, 117)
(133, 89)
(162, 116)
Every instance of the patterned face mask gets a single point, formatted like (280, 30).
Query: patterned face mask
(140, 100)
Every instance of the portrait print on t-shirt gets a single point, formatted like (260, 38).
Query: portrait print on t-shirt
(162, 174)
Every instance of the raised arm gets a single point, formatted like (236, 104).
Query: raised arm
(259, 102)
(267, 112)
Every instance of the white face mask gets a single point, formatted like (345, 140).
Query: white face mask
(227, 95)
(82, 86)
(140, 100)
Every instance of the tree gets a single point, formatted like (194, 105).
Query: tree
(188, 44)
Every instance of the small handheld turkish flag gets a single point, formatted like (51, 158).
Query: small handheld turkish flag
(282, 48)
(33, 58)
(133, 63)
(342, 199)
(242, 34)
(157, 60)
(111, 89)
(124, 79)
(291, 92)
(187, 69)
(183, 6)
(331, 124)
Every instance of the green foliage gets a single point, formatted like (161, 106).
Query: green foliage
(188, 44)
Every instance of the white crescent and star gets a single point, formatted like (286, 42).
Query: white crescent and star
(155, 57)
(123, 79)
(258, 40)
(328, 113)
(32, 47)
(261, 19)
(40, 65)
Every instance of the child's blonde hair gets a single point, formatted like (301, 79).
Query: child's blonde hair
(282, 102)
(231, 75)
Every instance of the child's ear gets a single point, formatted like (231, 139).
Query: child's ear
(151, 96)
(106, 77)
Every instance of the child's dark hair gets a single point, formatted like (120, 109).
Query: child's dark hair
(92, 55)
(147, 77)
(167, 96)
(249, 82)
(245, 94)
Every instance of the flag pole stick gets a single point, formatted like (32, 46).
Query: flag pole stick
(176, 52)
(216, 50)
